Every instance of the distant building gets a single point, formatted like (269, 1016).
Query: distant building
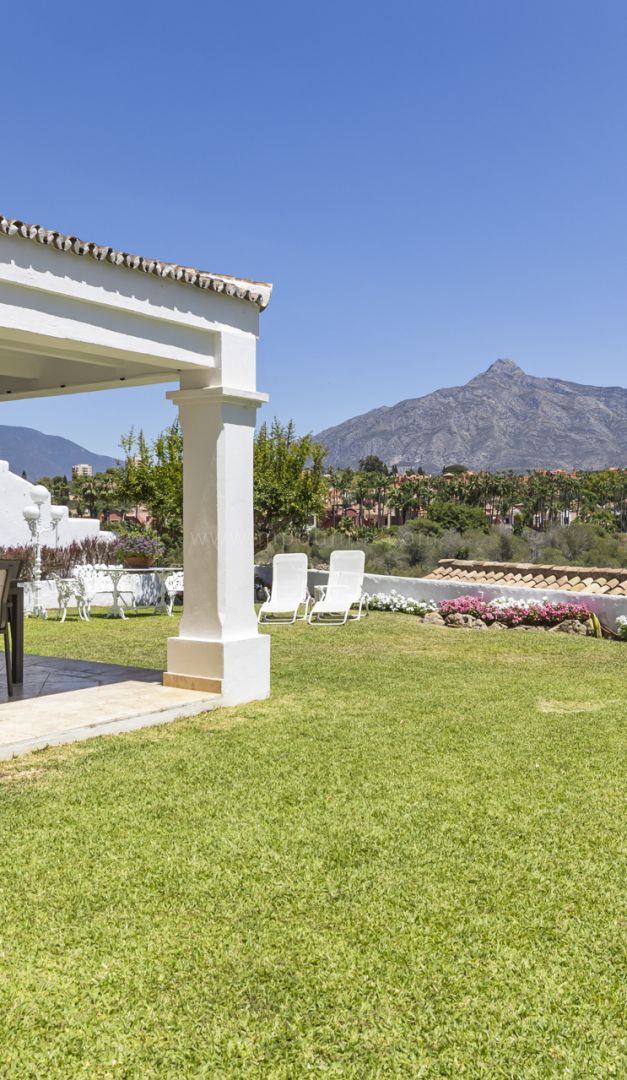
(81, 470)
(139, 516)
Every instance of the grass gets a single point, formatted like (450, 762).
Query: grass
(406, 863)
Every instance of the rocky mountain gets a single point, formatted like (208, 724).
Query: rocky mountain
(36, 454)
(501, 419)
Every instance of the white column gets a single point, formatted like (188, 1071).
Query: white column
(219, 648)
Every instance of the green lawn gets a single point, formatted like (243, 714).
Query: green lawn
(406, 863)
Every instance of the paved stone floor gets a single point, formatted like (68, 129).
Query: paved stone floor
(68, 700)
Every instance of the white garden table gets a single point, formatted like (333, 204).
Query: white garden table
(117, 606)
(161, 606)
(162, 572)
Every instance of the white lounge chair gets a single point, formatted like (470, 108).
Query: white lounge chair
(289, 590)
(343, 590)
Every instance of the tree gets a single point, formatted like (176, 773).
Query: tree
(289, 481)
(59, 489)
(457, 470)
(362, 493)
(87, 491)
(109, 494)
(402, 499)
(454, 516)
(340, 482)
(151, 475)
(373, 464)
(290, 486)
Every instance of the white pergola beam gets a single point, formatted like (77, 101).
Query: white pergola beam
(57, 370)
(18, 366)
(72, 324)
(47, 271)
(40, 348)
(19, 393)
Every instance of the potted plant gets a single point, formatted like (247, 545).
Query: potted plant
(139, 552)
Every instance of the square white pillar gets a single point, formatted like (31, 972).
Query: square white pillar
(219, 647)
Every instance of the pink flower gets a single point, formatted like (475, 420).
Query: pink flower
(533, 613)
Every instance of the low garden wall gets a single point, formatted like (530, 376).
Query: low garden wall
(145, 588)
(607, 608)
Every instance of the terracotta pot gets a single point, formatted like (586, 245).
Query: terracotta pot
(139, 562)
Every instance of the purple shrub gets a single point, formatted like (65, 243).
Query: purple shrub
(61, 560)
(137, 545)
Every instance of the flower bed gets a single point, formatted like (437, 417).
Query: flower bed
(622, 627)
(515, 612)
(570, 615)
(395, 602)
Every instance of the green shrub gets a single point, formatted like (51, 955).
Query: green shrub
(458, 516)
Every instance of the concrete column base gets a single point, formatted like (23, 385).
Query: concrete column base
(238, 670)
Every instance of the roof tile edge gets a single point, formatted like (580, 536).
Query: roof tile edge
(611, 581)
(255, 292)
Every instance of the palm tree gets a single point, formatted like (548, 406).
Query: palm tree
(402, 498)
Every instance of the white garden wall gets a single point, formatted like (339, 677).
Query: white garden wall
(15, 494)
(146, 590)
(607, 608)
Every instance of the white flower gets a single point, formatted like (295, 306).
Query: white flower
(393, 601)
(501, 602)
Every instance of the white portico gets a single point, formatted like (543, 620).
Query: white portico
(76, 316)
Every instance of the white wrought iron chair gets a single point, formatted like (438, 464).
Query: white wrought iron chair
(343, 591)
(91, 580)
(289, 590)
(87, 580)
(174, 585)
(66, 591)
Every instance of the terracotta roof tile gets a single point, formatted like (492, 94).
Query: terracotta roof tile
(256, 292)
(594, 579)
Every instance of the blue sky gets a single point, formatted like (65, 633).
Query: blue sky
(429, 186)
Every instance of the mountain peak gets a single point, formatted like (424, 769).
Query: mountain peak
(501, 419)
(504, 367)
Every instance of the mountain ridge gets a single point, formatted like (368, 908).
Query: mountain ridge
(37, 454)
(502, 418)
